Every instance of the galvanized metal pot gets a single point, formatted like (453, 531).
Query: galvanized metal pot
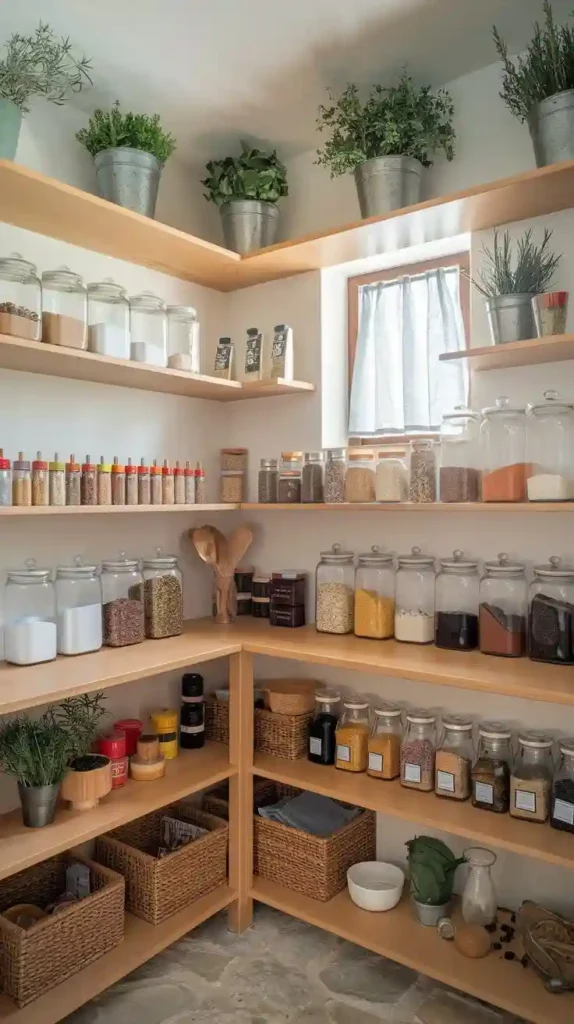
(388, 183)
(551, 125)
(249, 224)
(429, 914)
(38, 804)
(10, 122)
(511, 317)
(129, 177)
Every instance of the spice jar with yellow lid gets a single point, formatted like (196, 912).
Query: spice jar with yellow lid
(360, 477)
(104, 482)
(352, 736)
(375, 594)
(165, 721)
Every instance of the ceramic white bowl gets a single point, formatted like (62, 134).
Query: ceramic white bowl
(374, 885)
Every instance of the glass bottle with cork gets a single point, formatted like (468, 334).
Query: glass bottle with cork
(40, 481)
(385, 742)
(323, 727)
(144, 486)
(73, 482)
(88, 485)
(118, 482)
(131, 483)
(104, 482)
(352, 736)
(192, 721)
(57, 481)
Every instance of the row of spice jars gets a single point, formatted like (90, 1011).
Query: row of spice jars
(83, 609)
(62, 310)
(332, 476)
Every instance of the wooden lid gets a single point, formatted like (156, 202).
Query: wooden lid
(148, 747)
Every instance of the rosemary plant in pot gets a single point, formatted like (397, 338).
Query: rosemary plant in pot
(246, 189)
(89, 776)
(36, 753)
(129, 152)
(432, 869)
(539, 87)
(387, 140)
(40, 64)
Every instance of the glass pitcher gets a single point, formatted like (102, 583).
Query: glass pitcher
(479, 903)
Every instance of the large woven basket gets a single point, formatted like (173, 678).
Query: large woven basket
(281, 735)
(36, 959)
(156, 887)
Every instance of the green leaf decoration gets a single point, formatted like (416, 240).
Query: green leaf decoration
(252, 175)
(109, 129)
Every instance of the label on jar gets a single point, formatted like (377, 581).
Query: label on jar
(484, 792)
(412, 772)
(375, 762)
(343, 752)
(192, 728)
(563, 811)
(315, 745)
(223, 356)
(524, 800)
(445, 781)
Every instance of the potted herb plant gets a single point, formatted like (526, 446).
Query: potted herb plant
(40, 64)
(129, 152)
(511, 283)
(246, 189)
(89, 776)
(36, 753)
(539, 88)
(432, 869)
(386, 140)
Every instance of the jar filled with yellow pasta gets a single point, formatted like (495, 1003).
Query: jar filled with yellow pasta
(352, 736)
(375, 594)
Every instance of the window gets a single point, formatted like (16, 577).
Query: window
(400, 321)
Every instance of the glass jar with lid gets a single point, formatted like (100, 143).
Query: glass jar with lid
(352, 736)
(148, 329)
(30, 634)
(531, 777)
(183, 341)
(490, 776)
(64, 309)
(454, 758)
(123, 601)
(323, 727)
(422, 470)
(312, 479)
(551, 614)
(334, 591)
(375, 594)
(459, 475)
(503, 608)
(414, 598)
(503, 452)
(418, 750)
(163, 596)
(385, 742)
(20, 298)
(457, 595)
(562, 802)
(79, 608)
(550, 449)
(108, 319)
(360, 477)
(335, 471)
(289, 484)
(267, 482)
(391, 477)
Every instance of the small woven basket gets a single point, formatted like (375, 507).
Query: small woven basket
(290, 696)
(35, 959)
(281, 735)
(157, 887)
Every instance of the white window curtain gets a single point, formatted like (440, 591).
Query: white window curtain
(399, 386)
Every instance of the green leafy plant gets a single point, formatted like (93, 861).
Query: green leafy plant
(252, 175)
(403, 120)
(432, 870)
(109, 129)
(37, 753)
(530, 271)
(41, 64)
(80, 718)
(546, 69)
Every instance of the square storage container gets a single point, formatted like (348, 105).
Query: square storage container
(281, 735)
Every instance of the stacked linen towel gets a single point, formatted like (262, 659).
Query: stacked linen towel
(310, 812)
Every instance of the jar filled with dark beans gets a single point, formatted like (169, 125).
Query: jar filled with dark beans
(490, 776)
(289, 487)
(456, 603)
(551, 616)
(267, 482)
(123, 601)
(312, 478)
(562, 805)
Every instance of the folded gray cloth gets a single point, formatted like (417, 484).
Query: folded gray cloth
(310, 812)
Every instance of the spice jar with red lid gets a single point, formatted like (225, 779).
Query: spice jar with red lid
(114, 746)
(40, 481)
(133, 729)
(179, 484)
(131, 483)
(5, 480)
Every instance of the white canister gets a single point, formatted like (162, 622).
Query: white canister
(79, 608)
(30, 616)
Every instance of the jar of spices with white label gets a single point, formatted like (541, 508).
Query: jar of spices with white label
(562, 804)
(360, 477)
(79, 608)
(312, 478)
(289, 486)
(418, 750)
(29, 616)
(385, 742)
(20, 298)
(454, 758)
(531, 777)
(108, 319)
(414, 598)
(335, 472)
(490, 777)
(64, 309)
(352, 736)
(21, 481)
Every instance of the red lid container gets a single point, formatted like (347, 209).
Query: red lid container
(133, 728)
(113, 745)
(4, 463)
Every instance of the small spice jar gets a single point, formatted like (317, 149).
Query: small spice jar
(456, 601)
(352, 736)
(189, 484)
(334, 591)
(148, 329)
(183, 344)
(104, 482)
(562, 804)
(391, 478)
(360, 477)
(20, 298)
(113, 745)
(73, 482)
(312, 478)
(422, 471)
(179, 484)
(64, 309)
(133, 728)
(118, 482)
(414, 598)
(192, 722)
(40, 481)
(385, 742)
(89, 484)
(199, 484)
(21, 481)
(29, 616)
(144, 486)
(165, 722)
(490, 777)
(108, 319)
(5, 480)
(335, 472)
(375, 594)
(131, 483)
(156, 484)
(289, 485)
(260, 597)
(57, 481)
(531, 777)
(267, 482)
(503, 608)
(167, 484)
(163, 596)
(418, 751)
(551, 616)
(123, 604)
(454, 758)
(244, 586)
(323, 727)
(79, 608)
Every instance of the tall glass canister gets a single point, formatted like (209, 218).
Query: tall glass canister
(375, 594)
(20, 298)
(64, 309)
(503, 452)
(457, 595)
(148, 329)
(183, 342)
(79, 608)
(459, 476)
(163, 596)
(29, 616)
(123, 601)
(422, 471)
(550, 449)
(415, 598)
(551, 615)
(503, 608)
(334, 594)
(108, 319)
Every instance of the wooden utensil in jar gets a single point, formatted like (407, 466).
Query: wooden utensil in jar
(224, 555)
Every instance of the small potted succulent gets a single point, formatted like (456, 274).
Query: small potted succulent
(40, 64)
(246, 189)
(432, 869)
(36, 753)
(89, 776)
(386, 140)
(539, 88)
(129, 152)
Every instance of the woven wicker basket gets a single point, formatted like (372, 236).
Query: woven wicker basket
(281, 735)
(156, 887)
(36, 959)
(290, 696)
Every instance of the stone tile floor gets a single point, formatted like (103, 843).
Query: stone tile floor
(282, 970)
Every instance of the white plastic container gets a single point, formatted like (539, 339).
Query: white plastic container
(374, 885)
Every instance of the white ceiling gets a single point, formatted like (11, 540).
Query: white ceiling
(221, 70)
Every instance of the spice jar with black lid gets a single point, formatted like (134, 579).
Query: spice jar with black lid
(244, 586)
(192, 721)
(551, 616)
(503, 608)
(562, 803)
(456, 603)
(490, 776)
(261, 597)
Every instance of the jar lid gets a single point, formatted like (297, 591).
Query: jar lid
(107, 289)
(327, 696)
(535, 738)
(291, 575)
(192, 684)
(149, 301)
(63, 278)
(375, 556)
(4, 463)
(178, 470)
(458, 723)
(21, 463)
(182, 313)
(189, 470)
(388, 710)
(199, 470)
(566, 745)
(553, 567)
(113, 745)
(72, 466)
(88, 465)
(128, 724)
(551, 405)
(420, 716)
(160, 561)
(336, 555)
(494, 730)
(313, 456)
(268, 463)
(503, 565)
(416, 558)
(501, 407)
(164, 717)
(15, 265)
(262, 579)
(38, 463)
(460, 412)
(458, 562)
(120, 564)
(130, 468)
(336, 453)
(31, 574)
(356, 704)
(78, 570)
(56, 466)
(155, 470)
(166, 468)
(104, 467)
(422, 443)
(361, 457)
(292, 456)
(237, 451)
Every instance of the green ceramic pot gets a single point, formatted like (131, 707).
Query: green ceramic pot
(10, 121)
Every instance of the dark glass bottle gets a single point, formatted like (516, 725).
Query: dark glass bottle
(322, 728)
(192, 725)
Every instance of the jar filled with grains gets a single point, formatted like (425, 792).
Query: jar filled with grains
(89, 484)
(5, 480)
(490, 777)
(392, 478)
(531, 777)
(454, 758)
(156, 486)
(163, 596)
(73, 482)
(40, 481)
(385, 742)
(334, 596)
(20, 298)
(289, 486)
(414, 598)
(104, 482)
(64, 309)
(418, 751)
(459, 474)
(456, 602)
(118, 482)
(312, 479)
(422, 471)
(233, 459)
(231, 483)
(131, 483)
(375, 594)
(21, 481)
(179, 484)
(189, 484)
(335, 472)
(352, 736)
(123, 603)
(167, 484)
(267, 482)
(57, 481)
(562, 810)
(360, 477)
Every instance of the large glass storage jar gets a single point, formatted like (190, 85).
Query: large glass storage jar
(267, 482)
(323, 727)
(148, 329)
(79, 608)
(551, 614)
(108, 319)
(385, 742)
(414, 598)
(490, 777)
(375, 594)
(163, 596)
(503, 452)
(391, 477)
(360, 477)
(418, 750)
(183, 344)
(454, 758)
(312, 478)
(123, 602)
(20, 298)
(459, 476)
(334, 591)
(335, 471)
(29, 616)
(352, 736)
(562, 803)
(289, 485)
(550, 449)
(457, 594)
(503, 608)
(422, 470)
(531, 777)
(64, 309)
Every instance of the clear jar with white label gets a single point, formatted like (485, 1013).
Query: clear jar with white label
(531, 778)
(352, 736)
(29, 616)
(454, 758)
(183, 339)
(108, 319)
(385, 742)
(562, 803)
(418, 751)
(490, 776)
(148, 329)
(79, 608)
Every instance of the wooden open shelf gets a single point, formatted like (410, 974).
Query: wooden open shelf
(271, 388)
(141, 942)
(554, 349)
(411, 506)
(104, 510)
(396, 934)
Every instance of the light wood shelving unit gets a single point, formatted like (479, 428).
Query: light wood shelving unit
(411, 506)
(18, 511)
(553, 349)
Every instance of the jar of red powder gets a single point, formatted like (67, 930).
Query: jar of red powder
(114, 746)
(133, 729)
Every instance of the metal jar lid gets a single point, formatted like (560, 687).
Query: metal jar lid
(76, 571)
(336, 555)
(553, 569)
(388, 710)
(335, 453)
(420, 716)
(375, 556)
(327, 696)
(504, 567)
(356, 704)
(567, 745)
(458, 563)
(313, 456)
(416, 559)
